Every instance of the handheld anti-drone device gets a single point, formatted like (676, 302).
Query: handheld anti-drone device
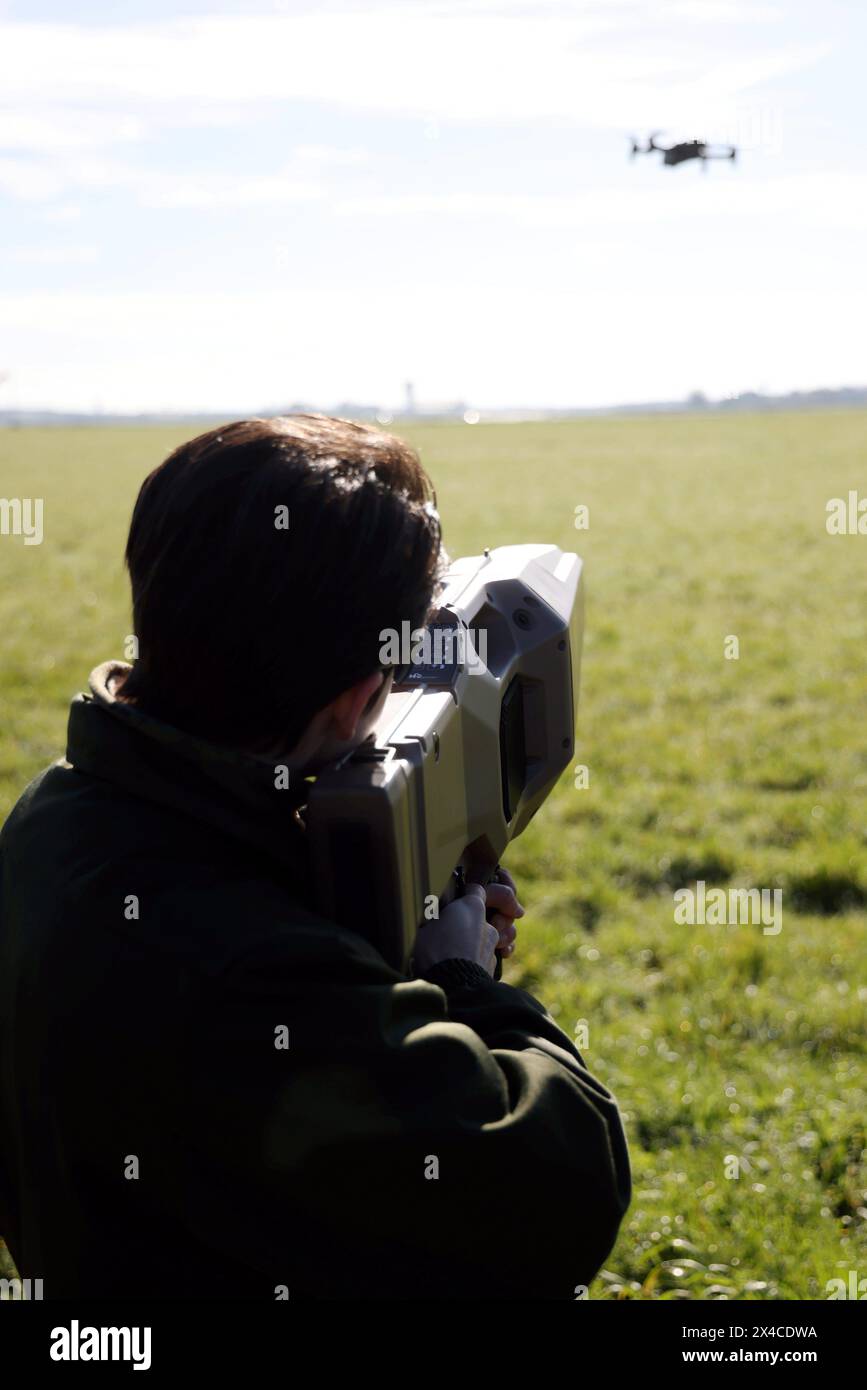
(478, 727)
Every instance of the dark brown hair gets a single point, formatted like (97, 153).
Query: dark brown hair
(266, 557)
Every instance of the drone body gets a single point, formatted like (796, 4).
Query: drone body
(686, 149)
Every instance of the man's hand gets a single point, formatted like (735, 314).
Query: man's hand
(503, 908)
(462, 931)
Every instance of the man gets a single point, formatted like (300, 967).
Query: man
(205, 1089)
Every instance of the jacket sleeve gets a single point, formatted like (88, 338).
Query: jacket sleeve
(364, 1135)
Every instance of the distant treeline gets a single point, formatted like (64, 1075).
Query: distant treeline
(843, 397)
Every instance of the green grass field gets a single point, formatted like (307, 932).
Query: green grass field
(720, 1042)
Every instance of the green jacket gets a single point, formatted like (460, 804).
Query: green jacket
(208, 1091)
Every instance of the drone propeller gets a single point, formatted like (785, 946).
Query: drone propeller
(638, 148)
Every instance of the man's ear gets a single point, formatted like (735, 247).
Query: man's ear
(348, 708)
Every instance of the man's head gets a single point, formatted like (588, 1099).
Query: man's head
(266, 557)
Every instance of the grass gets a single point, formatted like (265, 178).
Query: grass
(721, 1043)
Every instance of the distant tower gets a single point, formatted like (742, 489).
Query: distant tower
(410, 398)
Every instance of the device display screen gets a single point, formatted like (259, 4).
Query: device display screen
(436, 657)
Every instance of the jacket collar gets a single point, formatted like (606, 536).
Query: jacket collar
(236, 792)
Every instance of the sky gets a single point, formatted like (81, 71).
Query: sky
(238, 207)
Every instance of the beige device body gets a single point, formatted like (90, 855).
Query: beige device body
(467, 748)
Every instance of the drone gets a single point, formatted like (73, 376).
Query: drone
(687, 149)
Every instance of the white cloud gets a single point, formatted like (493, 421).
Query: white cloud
(588, 343)
(466, 64)
(710, 12)
(35, 129)
(52, 255)
(829, 200)
(43, 181)
(161, 190)
(45, 126)
(63, 213)
(327, 156)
